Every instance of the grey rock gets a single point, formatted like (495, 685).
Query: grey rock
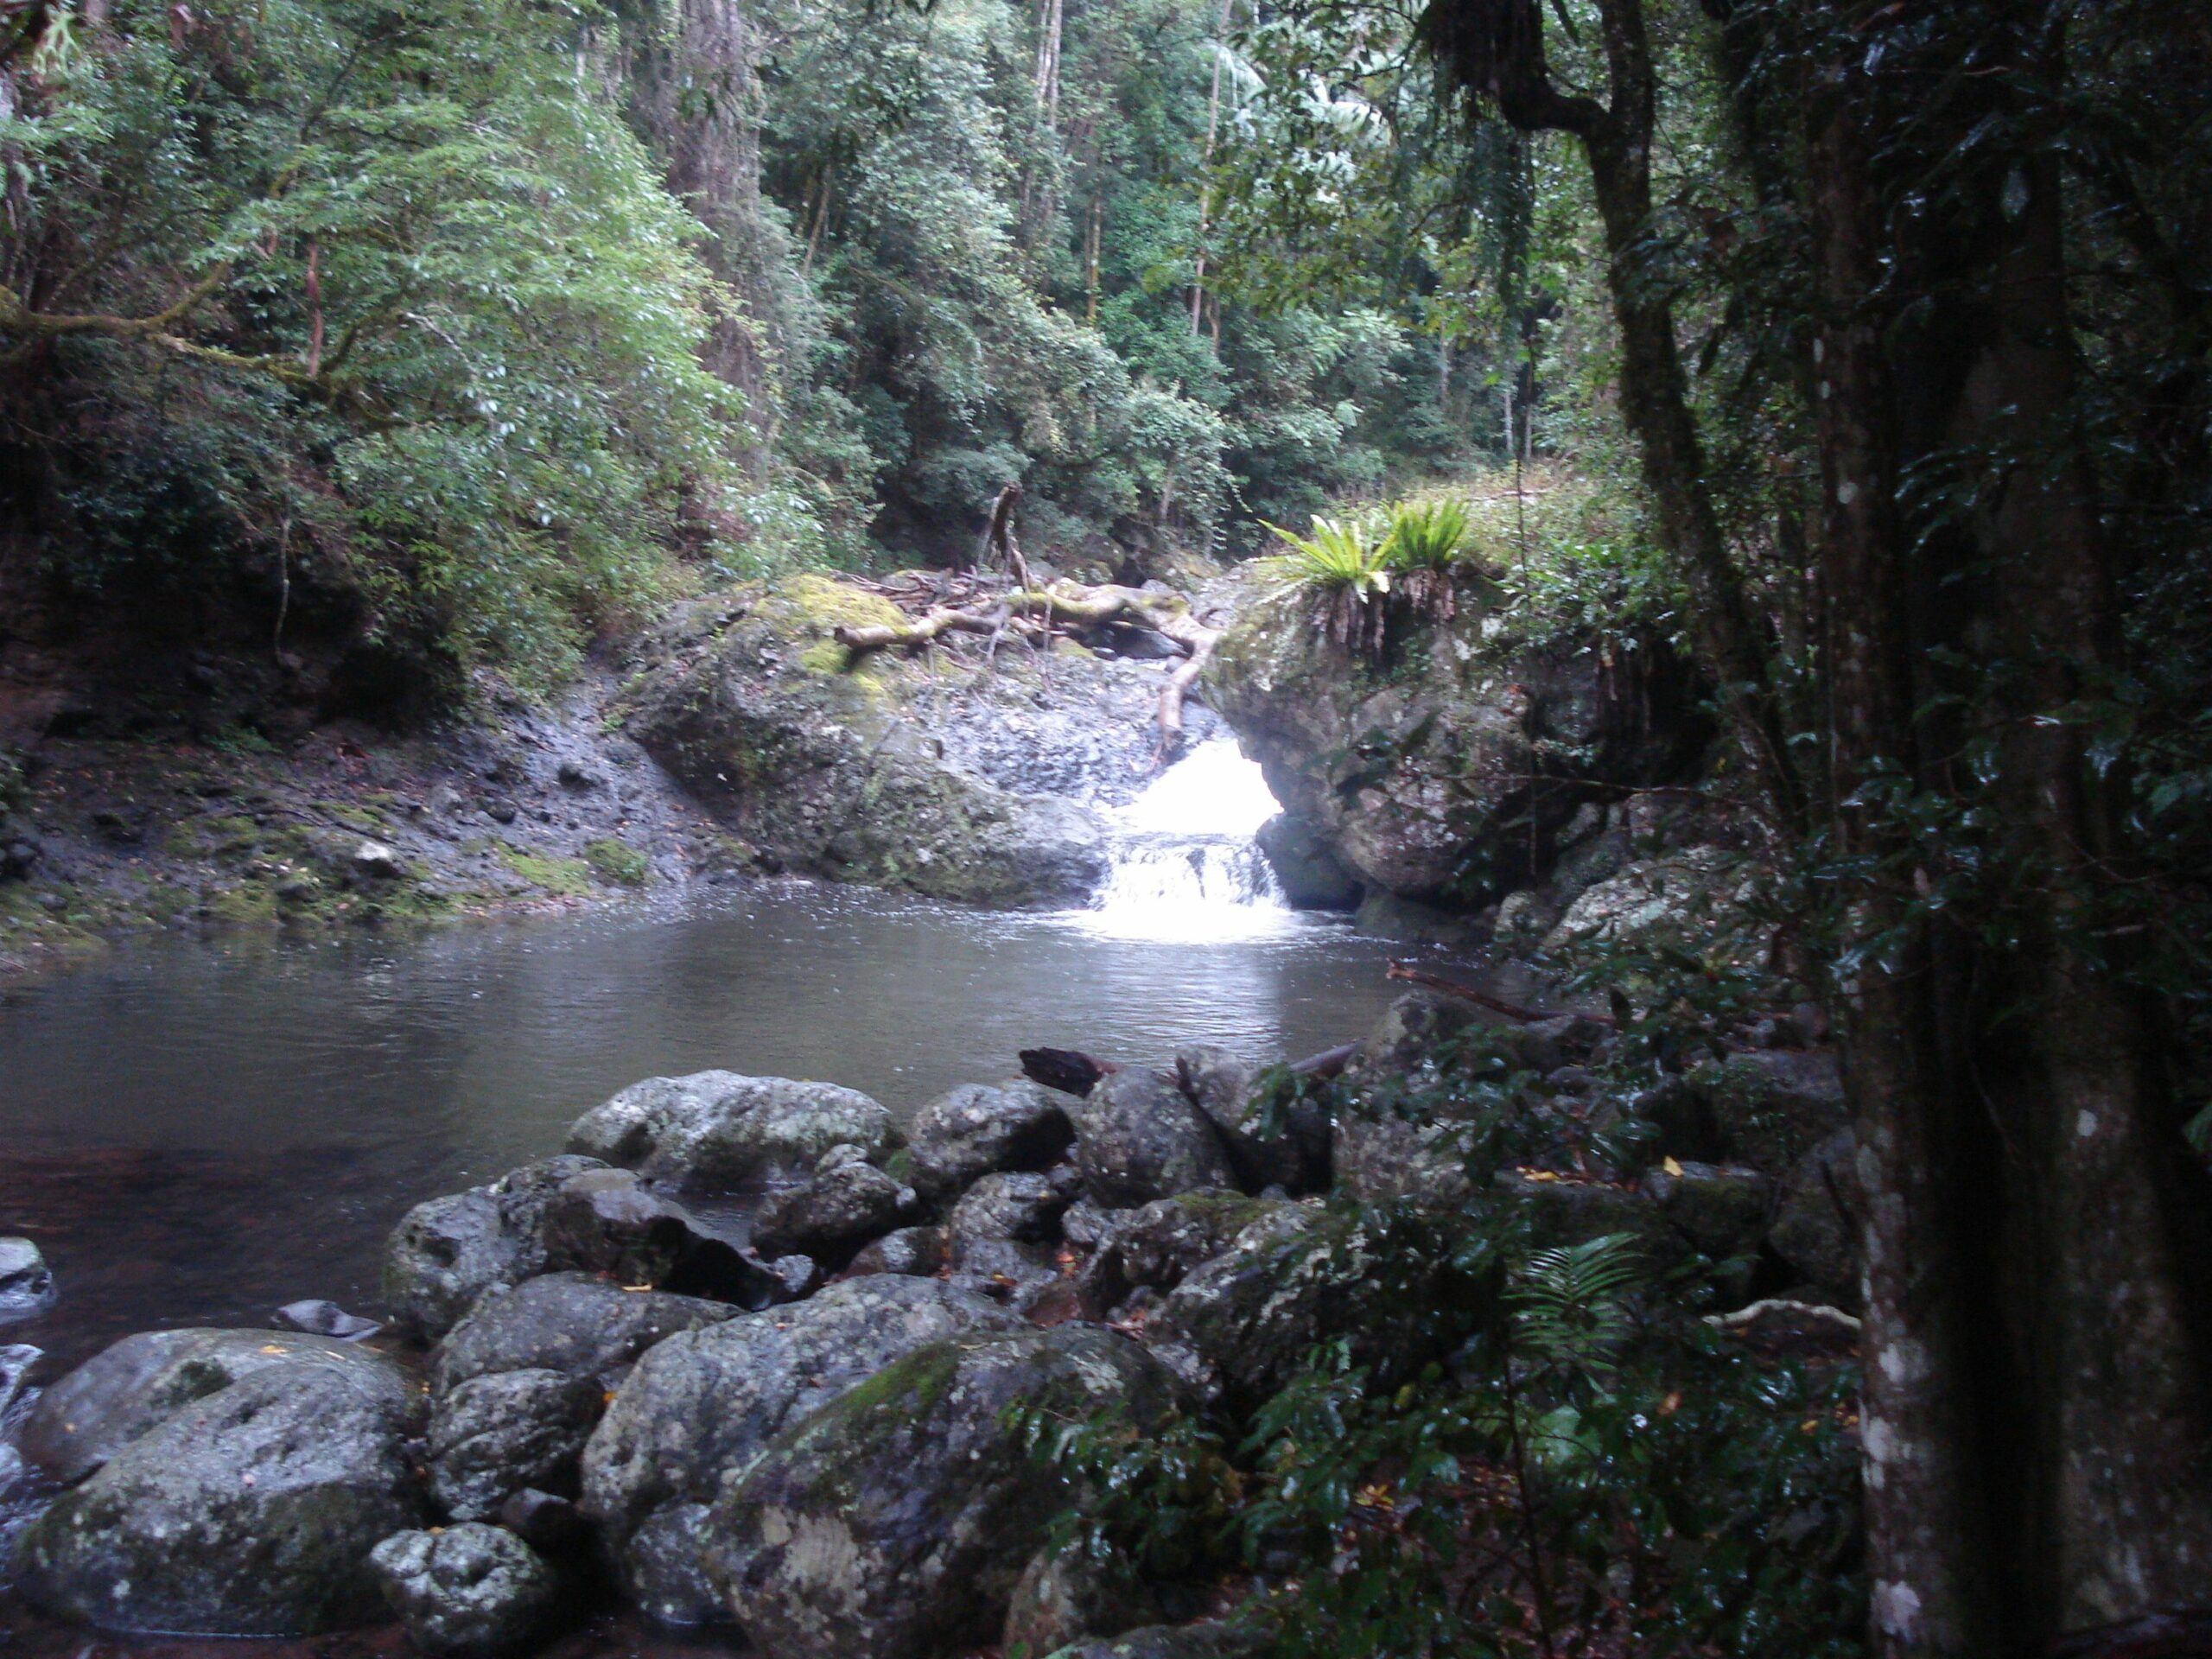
(1239, 1326)
(1305, 870)
(26, 1287)
(610, 1221)
(572, 1322)
(16, 1359)
(1293, 1153)
(1158, 1245)
(1817, 1221)
(377, 861)
(841, 1207)
(716, 1129)
(519, 1383)
(1207, 1639)
(469, 1589)
(493, 1436)
(1137, 1139)
(135, 1385)
(977, 1128)
(879, 1525)
(1770, 1107)
(1066, 1596)
(250, 1512)
(914, 1250)
(1023, 1207)
(700, 1407)
(1721, 1210)
(449, 1251)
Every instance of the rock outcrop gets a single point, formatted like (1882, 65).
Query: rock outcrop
(974, 776)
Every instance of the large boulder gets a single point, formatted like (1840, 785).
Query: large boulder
(1768, 1107)
(1138, 1138)
(26, 1283)
(612, 1222)
(1437, 786)
(1817, 1223)
(519, 1383)
(977, 1129)
(880, 1525)
(1157, 1246)
(716, 1129)
(1699, 900)
(448, 1251)
(469, 1589)
(700, 1407)
(1304, 869)
(135, 1385)
(251, 1512)
(846, 1203)
(1066, 1595)
(1292, 1153)
(1238, 1326)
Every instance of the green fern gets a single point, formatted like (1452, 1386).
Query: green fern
(1570, 1303)
(1341, 555)
(1425, 535)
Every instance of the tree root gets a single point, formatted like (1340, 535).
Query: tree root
(1038, 613)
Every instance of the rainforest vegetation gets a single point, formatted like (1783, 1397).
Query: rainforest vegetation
(1855, 354)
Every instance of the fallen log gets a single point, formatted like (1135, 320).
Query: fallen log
(1329, 1063)
(943, 620)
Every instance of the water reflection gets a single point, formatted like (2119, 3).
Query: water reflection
(196, 1135)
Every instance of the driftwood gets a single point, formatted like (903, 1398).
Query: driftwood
(1481, 998)
(1067, 1070)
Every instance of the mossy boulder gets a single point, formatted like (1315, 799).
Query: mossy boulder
(699, 1408)
(251, 1512)
(720, 1130)
(882, 1525)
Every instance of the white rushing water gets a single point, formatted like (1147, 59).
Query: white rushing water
(1187, 869)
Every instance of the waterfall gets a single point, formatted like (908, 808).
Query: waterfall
(1185, 866)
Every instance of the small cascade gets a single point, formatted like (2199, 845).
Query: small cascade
(1186, 866)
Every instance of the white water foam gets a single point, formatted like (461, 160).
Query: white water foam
(1186, 869)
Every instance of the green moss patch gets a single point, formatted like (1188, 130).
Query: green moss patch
(617, 862)
(567, 877)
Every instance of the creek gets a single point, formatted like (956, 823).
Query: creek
(196, 1134)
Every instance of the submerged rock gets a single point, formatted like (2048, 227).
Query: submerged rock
(700, 1407)
(1138, 1138)
(449, 1251)
(26, 1283)
(135, 1385)
(469, 1589)
(250, 1512)
(978, 1129)
(880, 1525)
(716, 1129)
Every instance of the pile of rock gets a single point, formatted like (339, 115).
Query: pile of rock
(802, 1429)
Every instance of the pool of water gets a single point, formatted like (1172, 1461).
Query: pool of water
(197, 1135)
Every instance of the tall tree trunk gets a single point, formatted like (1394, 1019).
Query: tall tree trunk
(1205, 169)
